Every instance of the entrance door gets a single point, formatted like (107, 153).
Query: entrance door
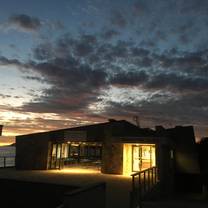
(143, 157)
(56, 159)
(136, 158)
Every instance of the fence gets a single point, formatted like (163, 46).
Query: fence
(142, 183)
(7, 161)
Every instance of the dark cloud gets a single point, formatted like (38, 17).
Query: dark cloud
(176, 82)
(34, 78)
(129, 79)
(5, 61)
(172, 111)
(85, 46)
(25, 22)
(118, 19)
(109, 34)
(140, 52)
(79, 71)
(43, 51)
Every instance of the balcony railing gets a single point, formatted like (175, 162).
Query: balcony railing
(142, 183)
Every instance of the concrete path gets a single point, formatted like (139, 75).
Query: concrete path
(118, 187)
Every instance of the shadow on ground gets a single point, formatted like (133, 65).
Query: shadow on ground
(31, 194)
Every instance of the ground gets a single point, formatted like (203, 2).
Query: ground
(118, 187)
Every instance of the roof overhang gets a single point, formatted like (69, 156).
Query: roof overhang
(143, 139)
(75, 136)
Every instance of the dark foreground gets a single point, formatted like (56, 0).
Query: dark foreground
(31, 194)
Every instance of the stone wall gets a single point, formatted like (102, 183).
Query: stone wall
(32, 152)
(166, 170)
(186, 155)
(112, 158)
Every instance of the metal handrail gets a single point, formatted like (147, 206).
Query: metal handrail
(147, 179)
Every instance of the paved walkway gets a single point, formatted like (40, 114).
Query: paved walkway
(118, 187)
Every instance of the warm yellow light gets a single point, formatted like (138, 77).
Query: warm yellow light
(137, 157)
(5, 143)
(127, 159)
(78, 170)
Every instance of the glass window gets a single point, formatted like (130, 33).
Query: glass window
(59, 151)
(74, 150)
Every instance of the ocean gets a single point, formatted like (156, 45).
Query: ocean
(9, 153)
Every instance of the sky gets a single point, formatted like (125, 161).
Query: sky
(66, 63)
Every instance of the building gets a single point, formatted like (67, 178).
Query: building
(118, 147)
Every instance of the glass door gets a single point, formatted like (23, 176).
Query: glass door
(56, 156)
(136, 158)
(143, 157)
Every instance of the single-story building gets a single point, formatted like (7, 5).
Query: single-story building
(119, 147)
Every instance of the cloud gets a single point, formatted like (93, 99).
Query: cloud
(56, 25)
(187, 110)
(118, 19)
(129, 78)
(109, 34)
(5, 61)
(80, 71)
(4, 96)
(23, 22)
(87, 61)
(79, 78)
(176, 82)
(43, 51)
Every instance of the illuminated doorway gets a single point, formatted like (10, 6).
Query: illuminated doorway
(143, 157)
(55, 162)
(138, 157)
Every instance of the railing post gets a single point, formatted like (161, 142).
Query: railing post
(152, 176)
(144, 181)
(140, 185)
(155, 175)
(149, 181)
(133, 183)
